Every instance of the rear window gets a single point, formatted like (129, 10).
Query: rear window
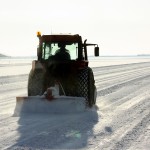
(50, 49)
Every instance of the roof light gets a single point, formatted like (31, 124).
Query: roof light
(38, 34)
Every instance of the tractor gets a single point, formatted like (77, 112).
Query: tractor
(62, 60)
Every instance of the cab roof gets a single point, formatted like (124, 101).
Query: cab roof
(61, 38)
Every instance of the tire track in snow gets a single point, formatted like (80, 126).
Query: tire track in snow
(133, 134)
(9, 86)
(122, 120)
(99, 71)
(13, 78)
(117, 86)
(116, 79)
(128, 106)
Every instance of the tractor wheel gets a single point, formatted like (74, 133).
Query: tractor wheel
(92, 92)
(83, 84)
(35, 82)
(86, 86)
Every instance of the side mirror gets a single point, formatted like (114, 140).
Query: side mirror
(96, 51)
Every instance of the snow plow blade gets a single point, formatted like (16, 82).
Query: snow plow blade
(39, 104)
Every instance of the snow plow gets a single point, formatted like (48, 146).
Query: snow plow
(60, 79)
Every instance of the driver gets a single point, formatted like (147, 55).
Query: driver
(62, 53)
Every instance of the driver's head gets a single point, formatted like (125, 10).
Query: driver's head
(61, 45)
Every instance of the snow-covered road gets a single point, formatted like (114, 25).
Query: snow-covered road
(121, 122)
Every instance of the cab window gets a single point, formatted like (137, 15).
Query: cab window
(50, 49)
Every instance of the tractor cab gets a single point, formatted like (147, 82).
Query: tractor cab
(67, 47)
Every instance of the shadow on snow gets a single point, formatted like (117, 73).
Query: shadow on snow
(56, 131)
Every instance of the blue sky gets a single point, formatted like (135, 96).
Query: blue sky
(120, 27)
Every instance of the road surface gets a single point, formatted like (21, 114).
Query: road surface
(122, 120)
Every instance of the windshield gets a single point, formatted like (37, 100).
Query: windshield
(51, 49)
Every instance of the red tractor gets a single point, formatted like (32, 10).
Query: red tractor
(63, 60)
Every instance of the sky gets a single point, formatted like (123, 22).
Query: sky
(119, 27)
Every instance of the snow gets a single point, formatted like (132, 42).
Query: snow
(121, 119)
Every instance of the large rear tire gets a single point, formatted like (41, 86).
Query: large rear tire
(92, 91)
(83, 84)
(86, 86)
(35, 82)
